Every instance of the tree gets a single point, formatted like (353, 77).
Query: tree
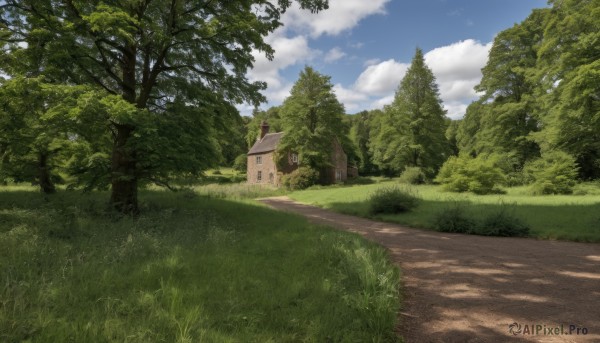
(158, 57)
(413, 132)
(34, 130)
(312, 118)
(360, 134)
(271, 116)
(509, 112)
(568, 75)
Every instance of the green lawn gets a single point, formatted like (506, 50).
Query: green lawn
(565, 217)
(190, 269)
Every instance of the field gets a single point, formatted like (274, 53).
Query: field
(195, 266)
(561, 217)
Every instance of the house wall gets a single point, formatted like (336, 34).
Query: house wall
(339, 161)
(267, 167)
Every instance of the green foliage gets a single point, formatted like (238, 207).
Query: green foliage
(413, 176)
(241, 163)
(480, 175)
(312, 118)
(540, 90)
(454, 218)
(188, 269)
(172, 71)
(300, 178)
(412, 131)
(37, 129)
(503, 223)
(361, 130)
(554, 173)
(391, 200)
(361, 180)
(253, 130)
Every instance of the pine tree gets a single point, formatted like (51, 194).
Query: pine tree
(413, 133)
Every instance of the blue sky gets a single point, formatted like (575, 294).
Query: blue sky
(366, 46)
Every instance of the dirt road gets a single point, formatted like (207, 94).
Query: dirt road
(462, 288)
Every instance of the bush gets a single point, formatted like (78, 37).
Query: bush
(501, 223)
(300, 178)
(359, 180)
(504, 224)
(413, 176)
(480, 175)
(454, 219)
(553, 173)
(391, 200)
(241, 163)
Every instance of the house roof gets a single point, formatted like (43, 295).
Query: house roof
(267, 144)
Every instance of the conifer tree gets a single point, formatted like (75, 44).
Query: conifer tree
(413, 134)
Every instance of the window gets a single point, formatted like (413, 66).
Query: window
(258, 159)
(338, 175)
(294, 158)
(259, 176)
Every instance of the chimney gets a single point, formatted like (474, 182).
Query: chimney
(264, 129)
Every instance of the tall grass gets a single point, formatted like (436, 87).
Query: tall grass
(189, 269)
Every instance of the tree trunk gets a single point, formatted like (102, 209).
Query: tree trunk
(124, 166)
(45, 182)
(124, 177)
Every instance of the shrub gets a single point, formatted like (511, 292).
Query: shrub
(241, 163)
(359, 180)
(480, 175)
(217, 172)
(391, 200)
(301, 178)
(413, 176)
(454, 219)
(504, 224)
(554, 173)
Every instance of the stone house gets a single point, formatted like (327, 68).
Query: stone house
(262, 168)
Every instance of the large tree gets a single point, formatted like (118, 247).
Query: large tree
(413, 132)
(509, 110)
(312, 118)
(568, 73)
(186, 59)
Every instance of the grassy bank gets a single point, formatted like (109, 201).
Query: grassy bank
(189, 269)
(565, 217)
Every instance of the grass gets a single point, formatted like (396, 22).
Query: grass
(190, 269)
(563, 217)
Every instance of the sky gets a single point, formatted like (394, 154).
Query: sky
(366, 46)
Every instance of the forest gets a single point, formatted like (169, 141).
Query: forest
(120, 97)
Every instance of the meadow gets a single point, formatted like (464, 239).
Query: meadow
(204, 265)
(560, 217)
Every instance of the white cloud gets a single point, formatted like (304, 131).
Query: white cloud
(349, 96)
(342, 15)
(455, 109)
(381, 78)
(457, 68)
(371, 62)
(334, 55)
(356, 45)
(381, 102)
(288, 52)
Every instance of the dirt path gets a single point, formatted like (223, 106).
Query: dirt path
(461, 288)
